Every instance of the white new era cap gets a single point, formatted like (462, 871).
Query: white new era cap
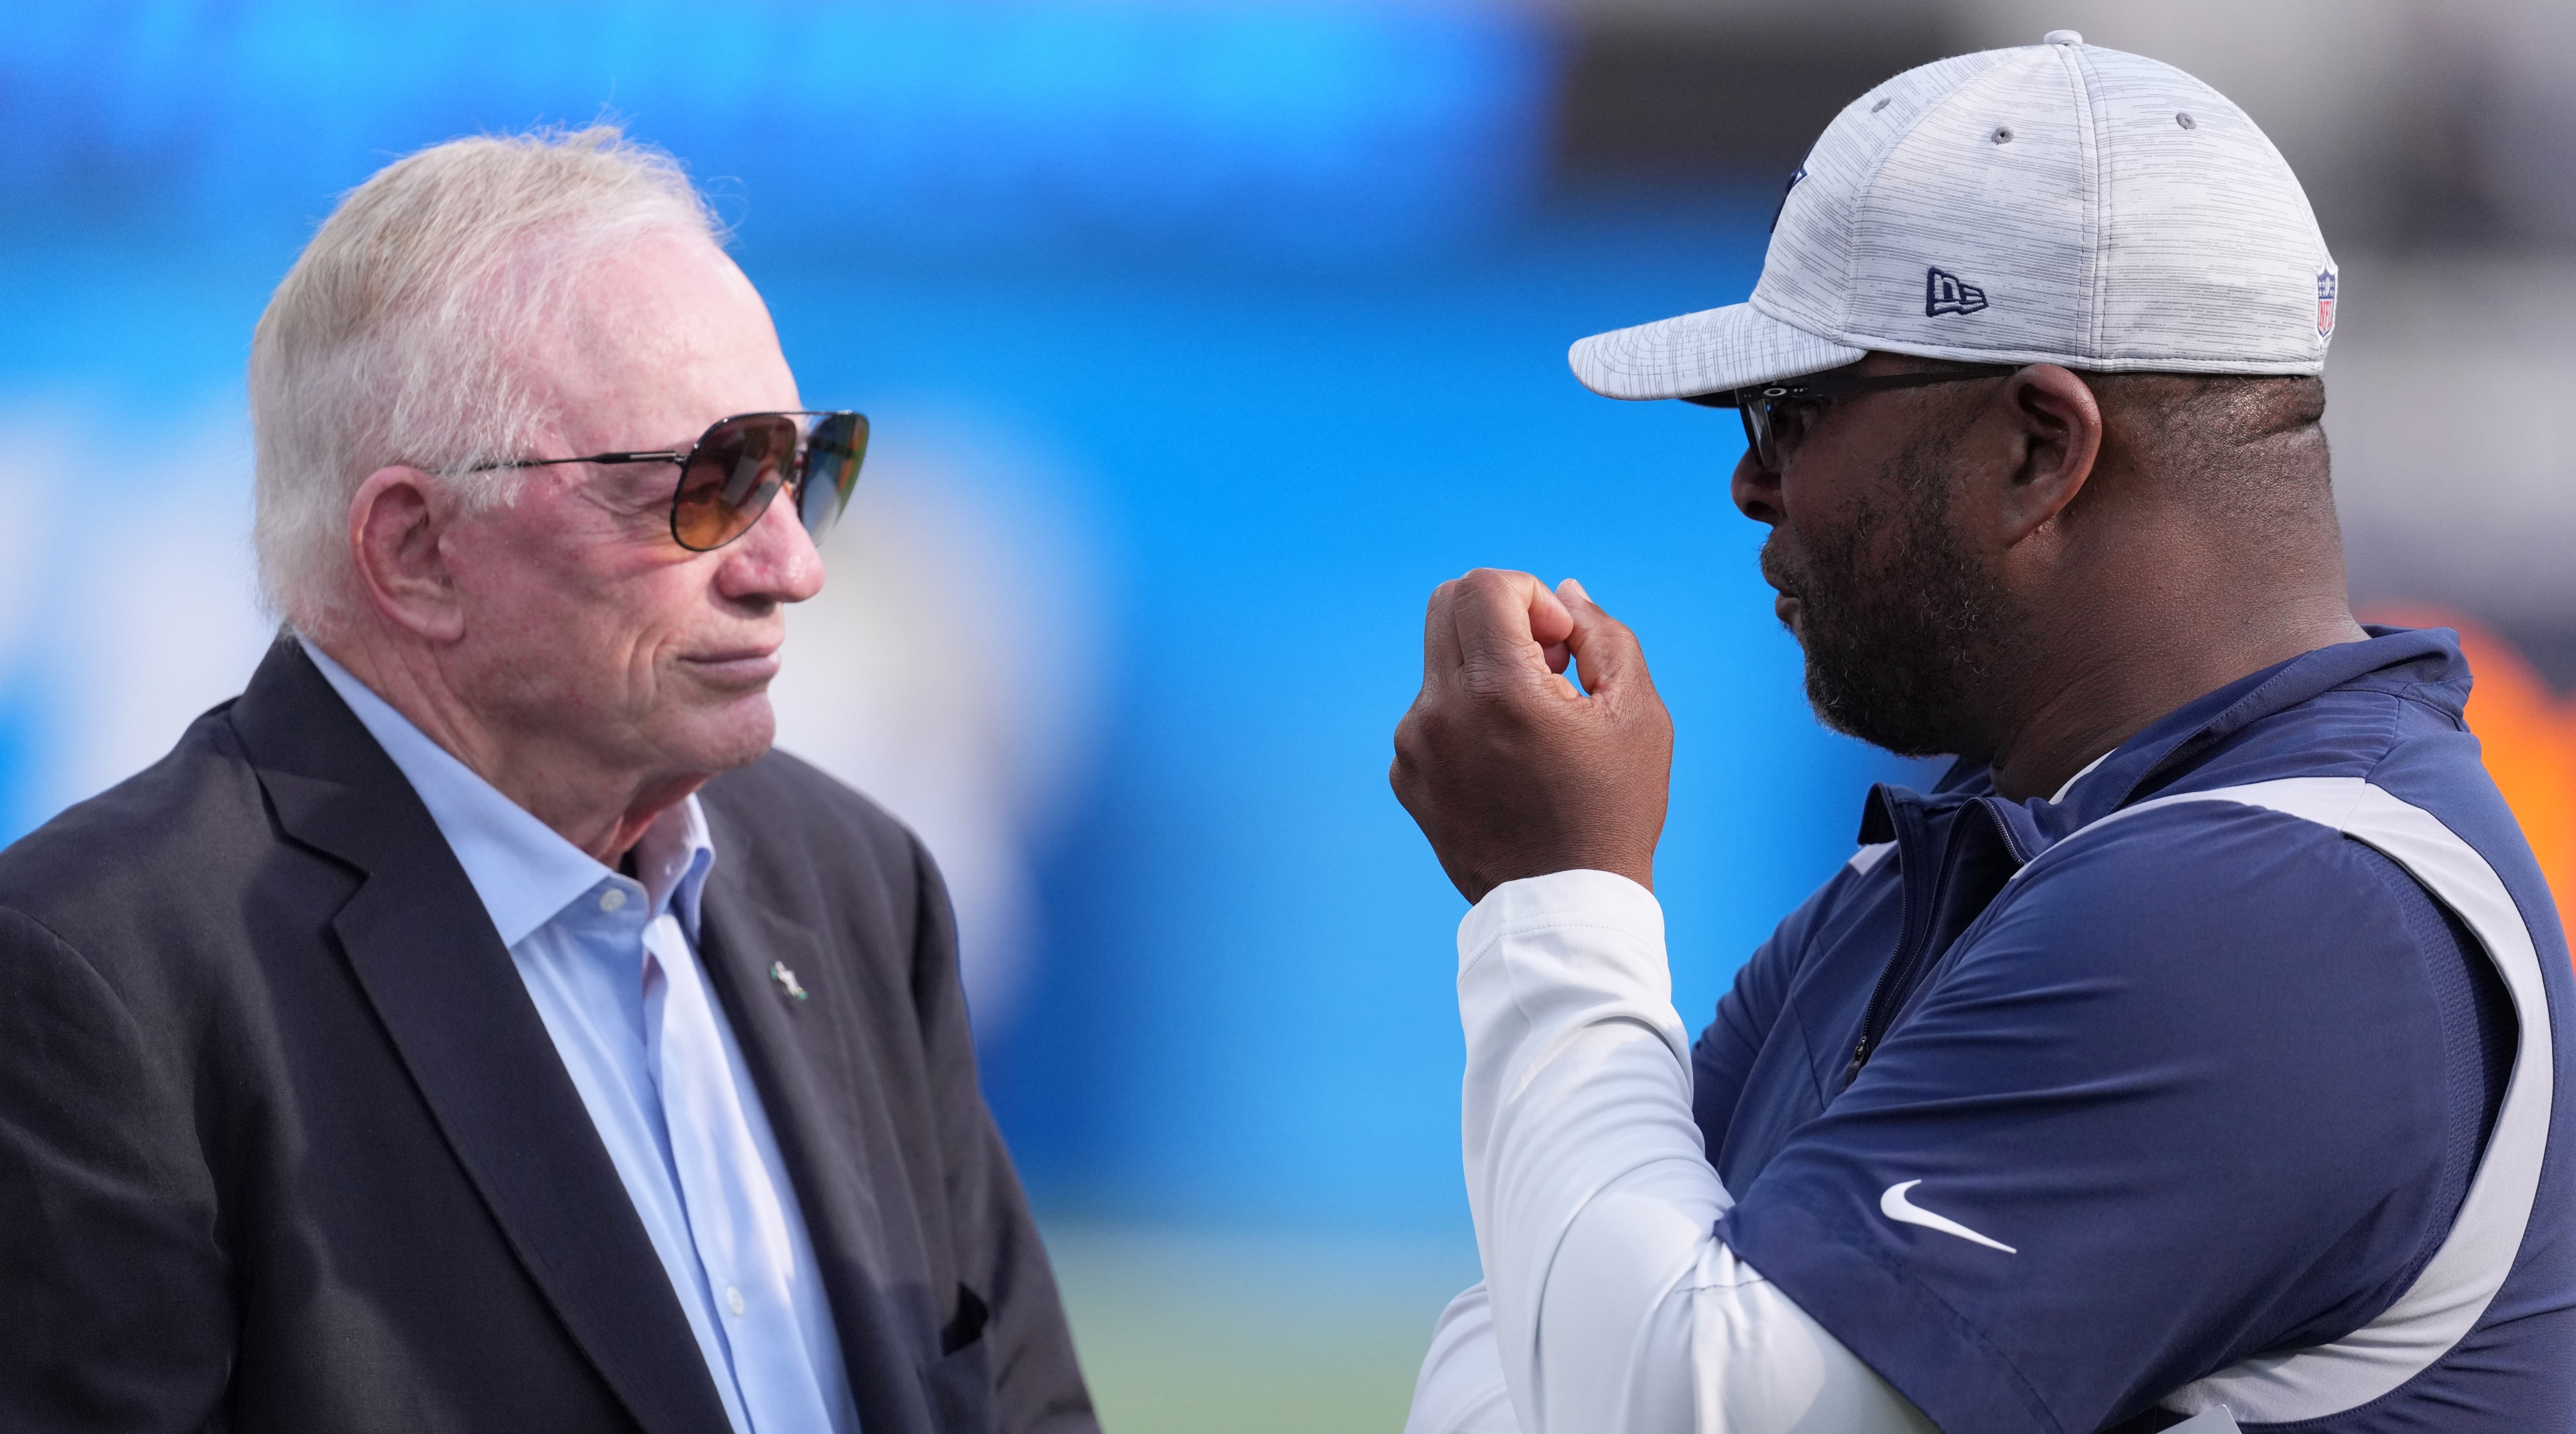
(2056, 203)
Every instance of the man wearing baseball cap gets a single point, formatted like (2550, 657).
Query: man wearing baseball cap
(2189, 1056)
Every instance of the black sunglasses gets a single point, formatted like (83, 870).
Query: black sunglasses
(1772, 411)
(729, 476)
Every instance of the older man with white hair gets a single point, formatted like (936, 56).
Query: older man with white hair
(474, 1025)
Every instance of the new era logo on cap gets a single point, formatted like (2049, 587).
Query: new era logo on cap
(1943, 293)
(1794, 176)
(2131, 218)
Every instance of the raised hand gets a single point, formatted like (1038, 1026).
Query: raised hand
(1511, 769)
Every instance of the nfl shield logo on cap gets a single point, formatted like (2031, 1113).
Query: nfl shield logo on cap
(2326, 280)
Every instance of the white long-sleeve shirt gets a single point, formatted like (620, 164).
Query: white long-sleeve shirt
(1609, 1305)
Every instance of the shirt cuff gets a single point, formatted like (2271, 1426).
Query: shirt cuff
(1598, 899)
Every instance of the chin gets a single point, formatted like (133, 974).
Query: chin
(733, 735)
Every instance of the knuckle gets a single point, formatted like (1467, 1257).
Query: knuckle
(1485, 682)
(1420, 730)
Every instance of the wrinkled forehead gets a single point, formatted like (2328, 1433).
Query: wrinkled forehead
(644, 340)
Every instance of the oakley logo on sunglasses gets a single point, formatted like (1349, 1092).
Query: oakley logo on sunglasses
(1946, 293)
(730, 475)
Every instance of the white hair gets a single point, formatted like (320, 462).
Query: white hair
(397, 336)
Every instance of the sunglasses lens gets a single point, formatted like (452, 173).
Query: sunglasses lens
(1757, 428)
(833, 453)
(730, 478)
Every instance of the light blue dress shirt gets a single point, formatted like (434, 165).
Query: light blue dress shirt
(589, 943)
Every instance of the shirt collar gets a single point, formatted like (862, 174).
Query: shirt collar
(673, 858)
(524, 871)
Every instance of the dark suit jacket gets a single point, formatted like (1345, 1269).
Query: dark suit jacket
(284, 1145)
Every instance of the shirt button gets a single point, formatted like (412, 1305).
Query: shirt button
(733, 1301)
(613, 898)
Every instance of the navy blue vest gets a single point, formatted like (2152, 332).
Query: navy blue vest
(2229, 1078)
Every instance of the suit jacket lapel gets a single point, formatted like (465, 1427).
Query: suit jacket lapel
(829, 1118)
(454, 1005)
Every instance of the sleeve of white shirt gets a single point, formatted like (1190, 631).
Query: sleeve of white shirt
(1609, 1305)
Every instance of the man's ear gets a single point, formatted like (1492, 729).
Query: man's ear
(396, 524)
(2057, 433)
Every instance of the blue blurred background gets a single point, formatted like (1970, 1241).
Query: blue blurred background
(1202, 338)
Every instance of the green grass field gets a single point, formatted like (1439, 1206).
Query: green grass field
(1184, 1333)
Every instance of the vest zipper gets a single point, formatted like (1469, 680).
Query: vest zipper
(1893, 982)
(1914, 937)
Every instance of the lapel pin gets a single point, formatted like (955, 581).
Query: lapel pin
(786, 979)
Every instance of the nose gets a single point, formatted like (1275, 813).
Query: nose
(775, 562)
(1756, 491)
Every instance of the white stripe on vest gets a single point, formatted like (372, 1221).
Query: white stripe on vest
(2455, 1287)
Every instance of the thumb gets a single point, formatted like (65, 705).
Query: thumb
(1606, 655)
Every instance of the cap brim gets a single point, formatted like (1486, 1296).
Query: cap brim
(1708, 352)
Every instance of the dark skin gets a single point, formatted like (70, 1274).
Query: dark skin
(2121, 591)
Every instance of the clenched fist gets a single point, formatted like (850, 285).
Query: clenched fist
(1509, 768)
